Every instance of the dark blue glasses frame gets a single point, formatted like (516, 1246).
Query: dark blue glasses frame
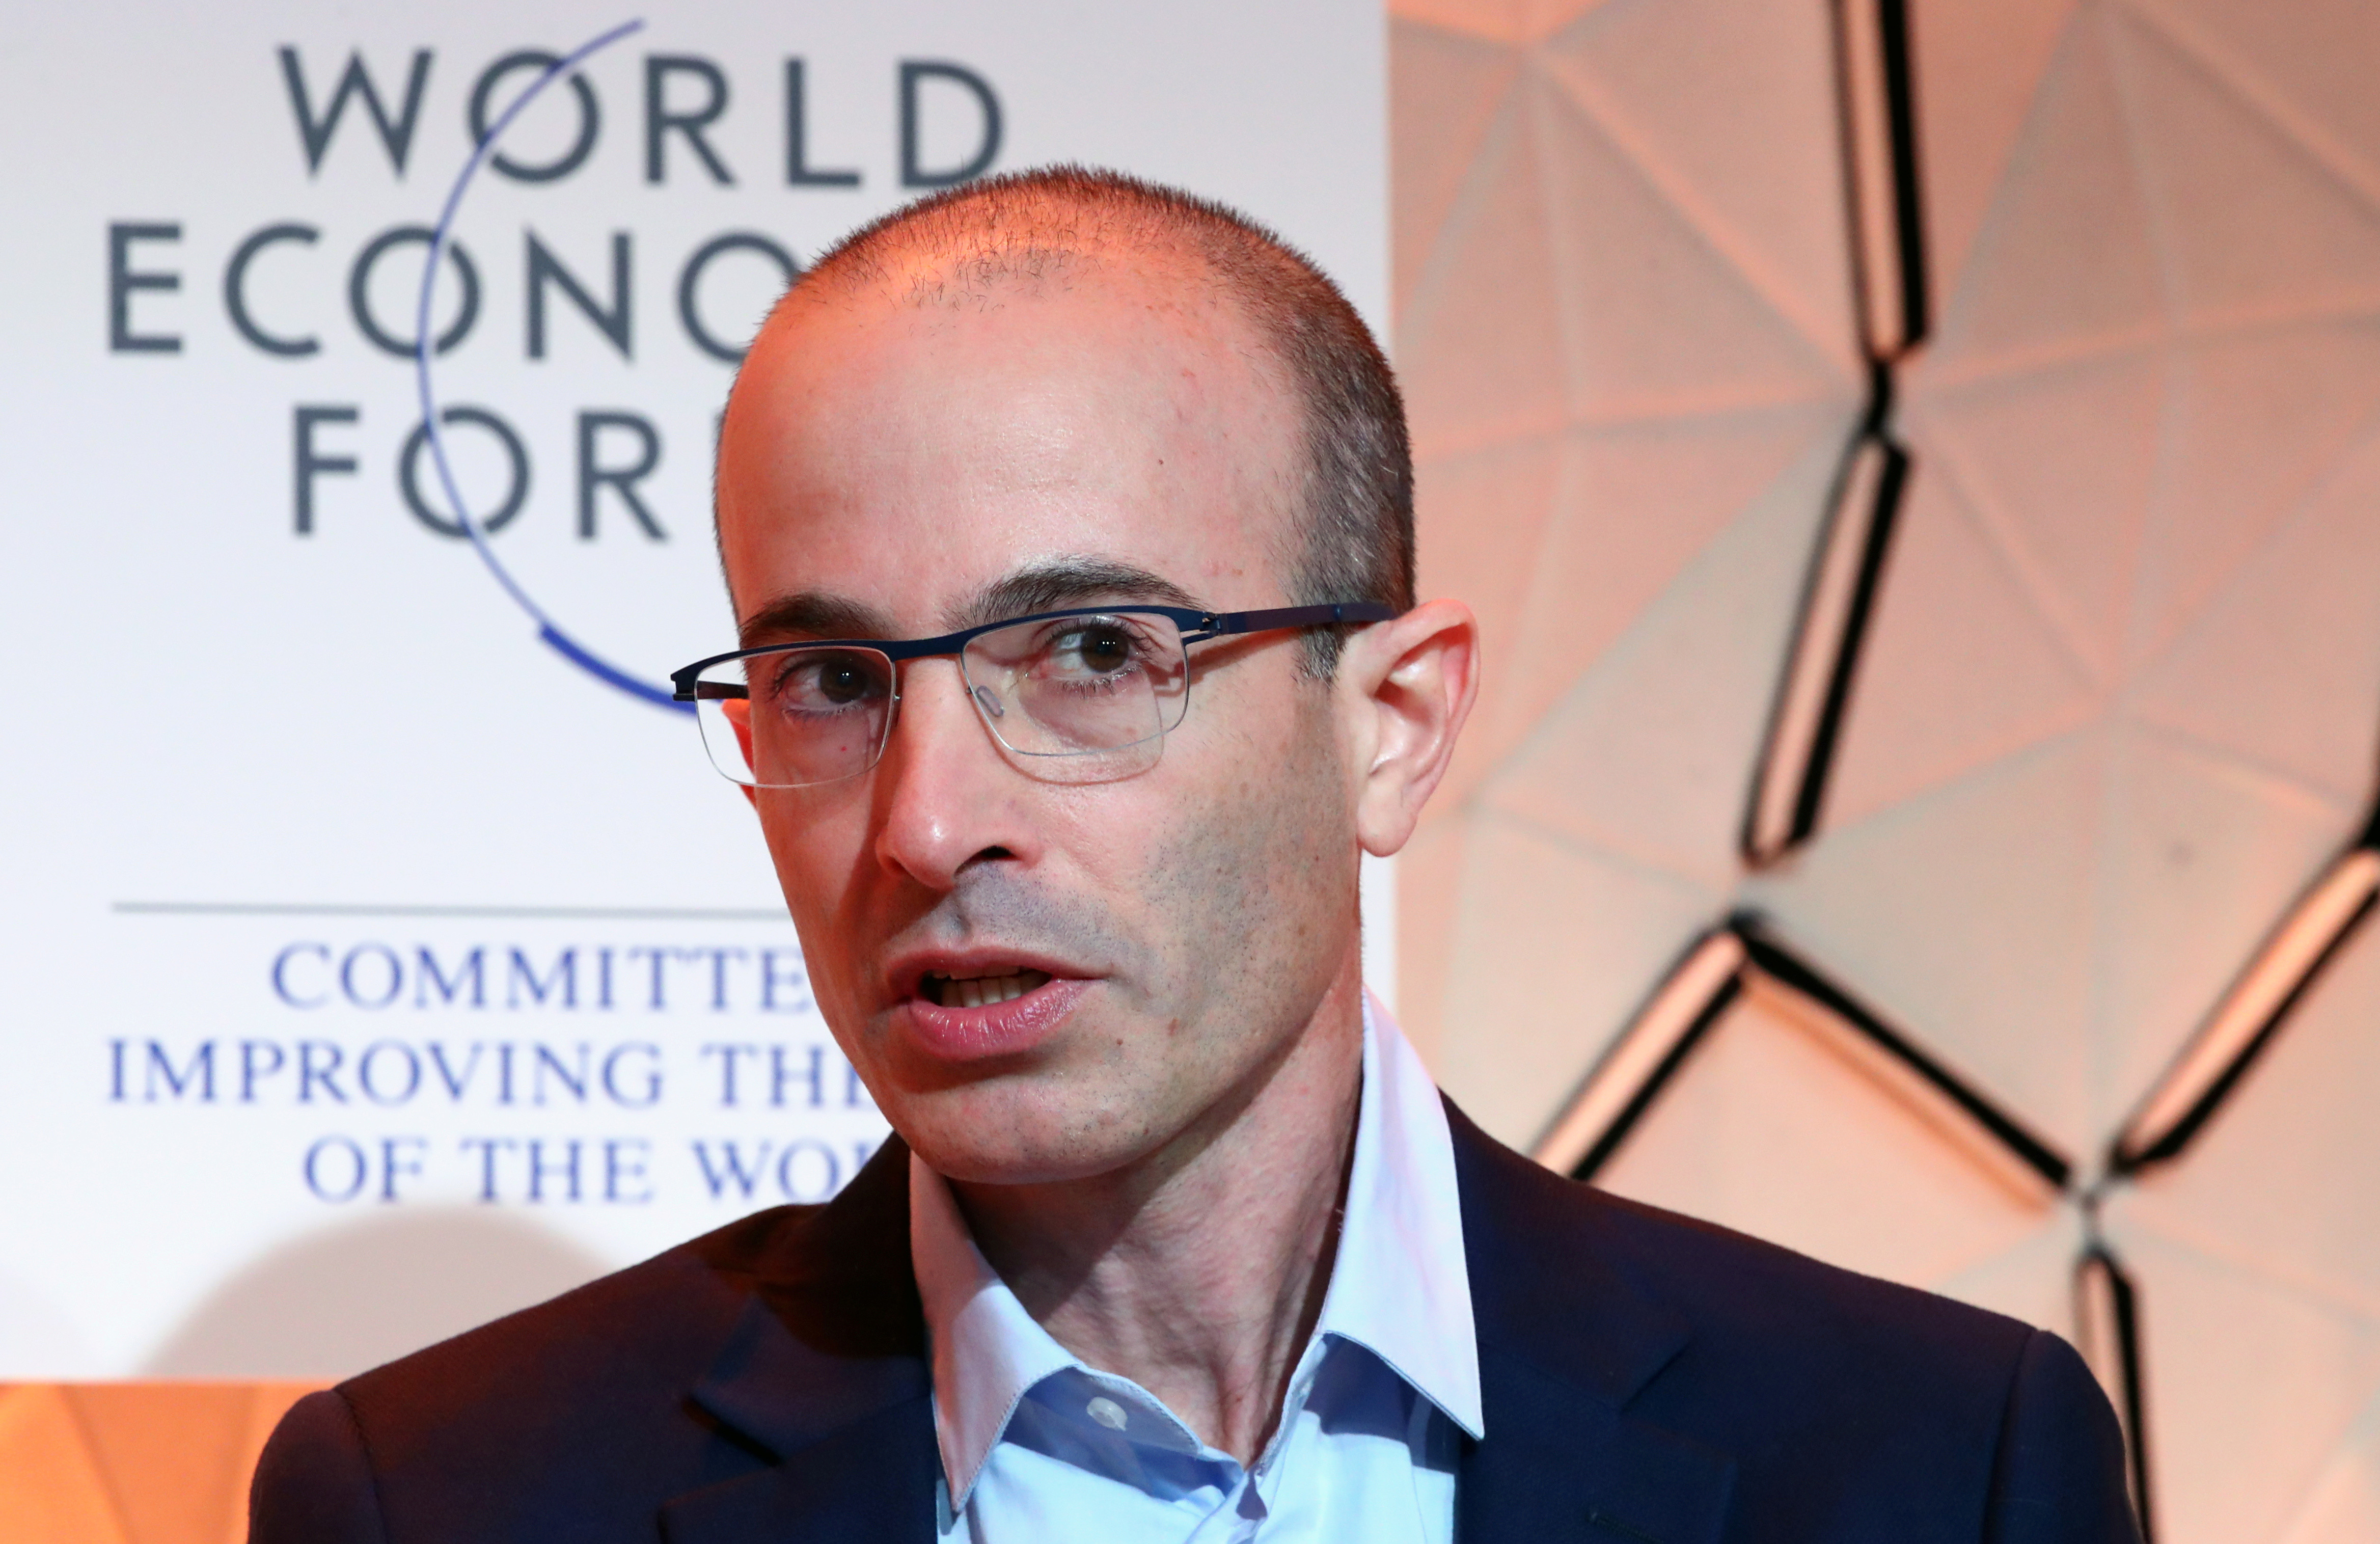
(1196, 626)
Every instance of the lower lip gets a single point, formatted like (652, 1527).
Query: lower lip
(996, 1028)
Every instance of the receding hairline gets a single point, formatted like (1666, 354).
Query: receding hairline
(1042, 232)
(1038, 227)
(923, 278)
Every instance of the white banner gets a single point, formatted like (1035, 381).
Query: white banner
(374, 963)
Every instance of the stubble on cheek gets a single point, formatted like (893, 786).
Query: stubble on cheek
(1255, 891)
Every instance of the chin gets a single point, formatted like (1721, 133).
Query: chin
(989, 1135)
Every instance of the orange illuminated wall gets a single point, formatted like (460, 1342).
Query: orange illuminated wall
(132, 1462)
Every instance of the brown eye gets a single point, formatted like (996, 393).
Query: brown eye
(1103, 650)
(841, 682)
(818, 683)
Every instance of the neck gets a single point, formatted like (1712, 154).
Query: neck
(1199, 1270)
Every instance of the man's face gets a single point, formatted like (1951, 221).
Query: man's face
(892, 471)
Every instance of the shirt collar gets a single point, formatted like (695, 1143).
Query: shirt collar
(986, 1350)
(1400, 1288)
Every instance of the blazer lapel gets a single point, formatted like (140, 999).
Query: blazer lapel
(825, 1375)
(1565, 1344)
(871, 1482)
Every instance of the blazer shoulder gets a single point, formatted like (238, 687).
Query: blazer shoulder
(568, 1419)
(1851, 1407)
(1727, 1276)
(661, 1319)
(314, 1482)
(1754, 1305)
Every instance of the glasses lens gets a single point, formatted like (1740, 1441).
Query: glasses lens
(1080, 684)
(795, 717)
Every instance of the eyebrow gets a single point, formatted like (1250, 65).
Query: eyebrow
(812, 613)
(1053, 584)
(1057, 584)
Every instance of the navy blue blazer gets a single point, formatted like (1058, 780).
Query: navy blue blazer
(1646, 1379)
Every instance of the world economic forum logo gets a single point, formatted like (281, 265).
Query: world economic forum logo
(549, 631)
(921, 169)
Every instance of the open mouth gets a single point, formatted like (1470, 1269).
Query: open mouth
(978, 991)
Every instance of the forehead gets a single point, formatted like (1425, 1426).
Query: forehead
(904, 456)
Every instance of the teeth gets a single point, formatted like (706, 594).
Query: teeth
(977, 991)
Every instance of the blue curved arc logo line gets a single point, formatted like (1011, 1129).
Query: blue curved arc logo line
(548, 631)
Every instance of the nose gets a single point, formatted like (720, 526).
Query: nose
(946, 798)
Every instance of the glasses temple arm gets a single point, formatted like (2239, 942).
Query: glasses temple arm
(1217, 624)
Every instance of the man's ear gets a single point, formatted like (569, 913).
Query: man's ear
(1405, 686)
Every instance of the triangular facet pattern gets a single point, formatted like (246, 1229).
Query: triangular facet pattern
(2057, 467)
(2342, 1506)
(2282, 1177)
(1479, 362)
(1675, 328)
(1747, 193)
(2115, 706)
(2065, 262)
(2253, 1385)
(1554, 946)
(1965, 917)
(2309, 65)
(1961, 668)
(1629, 763)
(2251, 221)
(1601, 560)
(1487, 503)
(2203, 854)
(1978, 72)
(1447, 87)
(2258, 422)
(2282, 667)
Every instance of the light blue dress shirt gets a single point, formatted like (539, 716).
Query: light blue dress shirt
(1038, 1449)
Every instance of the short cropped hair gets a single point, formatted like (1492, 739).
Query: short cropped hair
(1355, 541)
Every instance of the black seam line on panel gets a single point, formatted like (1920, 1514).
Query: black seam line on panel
(1883, 517)
(1767, 767)
(1874, 420)
(1908, 205)
(1810, 798)
(1623, 1124)
(1770, 956)
(1897, 70)
(2124, 1166)
(2124, 1299)
(562, 914)
(2123, 1162)
(1848, 157)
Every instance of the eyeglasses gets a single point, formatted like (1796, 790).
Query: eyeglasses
(1090, 694)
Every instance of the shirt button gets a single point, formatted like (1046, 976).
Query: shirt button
(1107, 1412)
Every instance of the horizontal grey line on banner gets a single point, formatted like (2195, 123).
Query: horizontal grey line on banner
(581, 914)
